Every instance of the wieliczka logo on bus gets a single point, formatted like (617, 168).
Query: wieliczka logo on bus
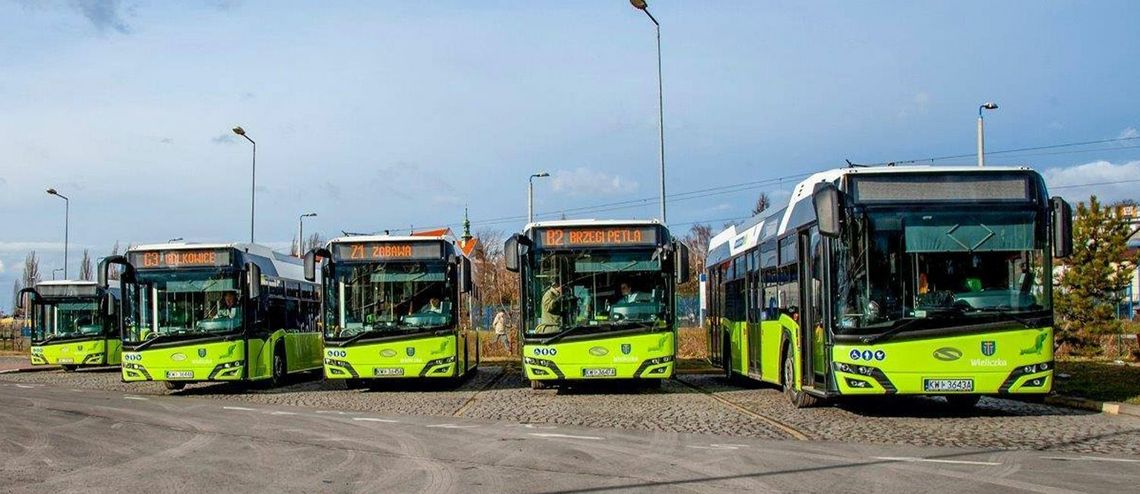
(989, 348)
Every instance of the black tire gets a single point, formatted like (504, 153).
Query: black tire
(798, 399)
(963, 402)
(651, 383)
(174, 385)
(278, 369)
(69, 367)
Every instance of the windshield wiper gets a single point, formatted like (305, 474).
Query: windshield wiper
(890, 332)
(1008, 313)
(153, 340)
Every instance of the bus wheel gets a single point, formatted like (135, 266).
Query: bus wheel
(963, 402)
(173, 385)
(799, 399)
(69, 367)
(652, 383)
(278, 370)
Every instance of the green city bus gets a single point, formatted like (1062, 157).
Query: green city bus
(73, 323)
(598, 299)
(215, 312)
(893, 280)
(396, 307)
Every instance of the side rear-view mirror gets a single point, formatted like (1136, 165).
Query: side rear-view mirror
(681, 263)
(1062, 228)
(311, 262)
(25, 297)
(253, 279)
(828, 208)
(465, 282)
(511, 253)
(105, 264)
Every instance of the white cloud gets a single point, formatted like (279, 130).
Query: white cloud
(1108, 181)
(586, 181)
(1129, 133)
(36, 246)
(1, 266)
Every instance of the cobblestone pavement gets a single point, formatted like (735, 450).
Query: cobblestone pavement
(684, 405)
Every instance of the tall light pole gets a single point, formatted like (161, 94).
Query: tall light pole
(253, 181)
(301, 233)
(982, 132)
(644, 7)
(66, 224)
(530, 195)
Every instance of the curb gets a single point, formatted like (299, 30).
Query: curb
(1108, 407)
(29, 369)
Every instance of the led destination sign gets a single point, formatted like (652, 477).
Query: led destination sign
(597, 236)
(387, 251)
(181, 258)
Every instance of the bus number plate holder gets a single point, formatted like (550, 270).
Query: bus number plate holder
(180, 374)
(599, 372)
(948, 385)
(388, 371)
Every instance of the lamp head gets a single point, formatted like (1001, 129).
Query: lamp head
(239, 131)
(639, 4)
(990, 105)
(52, 192)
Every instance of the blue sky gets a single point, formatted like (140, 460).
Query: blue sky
(384, 115)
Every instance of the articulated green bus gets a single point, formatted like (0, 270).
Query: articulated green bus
(73, 323)
(396, 307)
(215, 312)
(598, 299)
(893, 280)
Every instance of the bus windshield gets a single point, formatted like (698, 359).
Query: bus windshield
(388, 297)
(64, 319)
(184, 303)
(596, 291)
(942, 269)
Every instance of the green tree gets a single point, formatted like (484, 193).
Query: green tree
(1094, 276)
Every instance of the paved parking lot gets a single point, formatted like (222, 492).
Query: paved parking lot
(692, 403)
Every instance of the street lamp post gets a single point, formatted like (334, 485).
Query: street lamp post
(301, 233)
(644, 7)
(982, 132)
(66, 224)
(530, 195)
(253, 181)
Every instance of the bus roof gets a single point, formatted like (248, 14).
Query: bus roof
(772, 223)
(587, 222)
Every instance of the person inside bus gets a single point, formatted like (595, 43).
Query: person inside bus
(551, 318)
(628, 296)
(434, 306)
(227, 307)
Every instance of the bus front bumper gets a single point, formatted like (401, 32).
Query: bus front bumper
(417, 357)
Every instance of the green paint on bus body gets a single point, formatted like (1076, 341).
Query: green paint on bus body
(645, 356)
(223, 360)
(90, 352)
(411, 357)
(999, 362)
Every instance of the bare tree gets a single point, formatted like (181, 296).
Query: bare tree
(16, 287)
(312, 242)
(31, 274)
(762, 204)
(86, 269)
(698, 242)
(113, 272)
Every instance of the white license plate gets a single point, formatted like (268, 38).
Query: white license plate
(180, 374)
(388, 371)
(948, 385)
(66, 360)
(603, 372)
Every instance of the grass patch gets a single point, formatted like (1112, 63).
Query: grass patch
(1101, 381)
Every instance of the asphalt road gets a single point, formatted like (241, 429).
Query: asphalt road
(60, 439)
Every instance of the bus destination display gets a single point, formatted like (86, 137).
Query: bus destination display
(596, 236)
(181, 258)
(386, 251)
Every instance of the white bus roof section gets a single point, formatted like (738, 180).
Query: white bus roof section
(586, 222)
(740, 239)
(65, 283)
(390, 238)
